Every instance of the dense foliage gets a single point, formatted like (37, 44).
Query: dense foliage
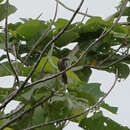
(50, 100)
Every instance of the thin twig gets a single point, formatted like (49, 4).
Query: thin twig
(78, 68)
(76, 48)
(85, 52)
(15, 54)
(13, 113)
(72, 10)
(39, 16)
(15, 93)
(6, 68)
(38, 103)
(6, 41)
(105, 33)
(112, 54)
(115, 62)
(42, 100)
(79, 23)
(80, 114)
(43, 36)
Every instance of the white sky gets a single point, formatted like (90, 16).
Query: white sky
(120, 95)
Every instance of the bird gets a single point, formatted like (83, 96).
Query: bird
(62, 64)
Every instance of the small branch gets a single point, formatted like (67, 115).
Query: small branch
(78, 68)
(17, 70)
(43, 36)
(85, 52)
(72, 10)
(75, 69)
(78, 115)
(15, 93)
(116, 79)
(112, 54)
(103, 34)
(74, 51)
(76, 48)
(79, 23)
(39, 16)
(6, 42)
(38, 103)
(6, 68)
(13, 113)
(25, 112)
(115, 62)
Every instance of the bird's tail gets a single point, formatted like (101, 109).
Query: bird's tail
(64, 78)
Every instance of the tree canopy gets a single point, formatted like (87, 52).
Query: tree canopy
(37, 46)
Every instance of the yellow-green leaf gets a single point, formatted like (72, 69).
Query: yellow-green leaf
(72, 75)
(49, 67)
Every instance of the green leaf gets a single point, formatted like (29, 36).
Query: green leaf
(2, 57)
(1, 1)
(85, 39)
(11, 9)
(30, 28)
(48, 65)
(84, 74)
(120, 35)
(76, 105)
(4, 93)
(66, 38)
(126, 12)
(92, 25)
(7, 128)
(100, 122)
(2, 41)
(91, 91)
(43, 89)
(13, 27)
(69, 36)
(61, 52)
(25, 70)
(38, 115)
(60, 23)
(57, 110)
(91, 30)
(72, 75)
(123, 70)
(109, 108)
(25, 121)
(27, 95)
(5, 69)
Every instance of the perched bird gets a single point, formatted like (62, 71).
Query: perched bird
(62, 64)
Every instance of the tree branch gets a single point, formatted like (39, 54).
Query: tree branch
(25, 112)
(6, 68)
(43, 36)
(72, 10)
(15, 93)
(78, 115)
(78, 68)
(112, 54)
(85, 52)
(6, 42)
(76, 48)
(13, 113)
